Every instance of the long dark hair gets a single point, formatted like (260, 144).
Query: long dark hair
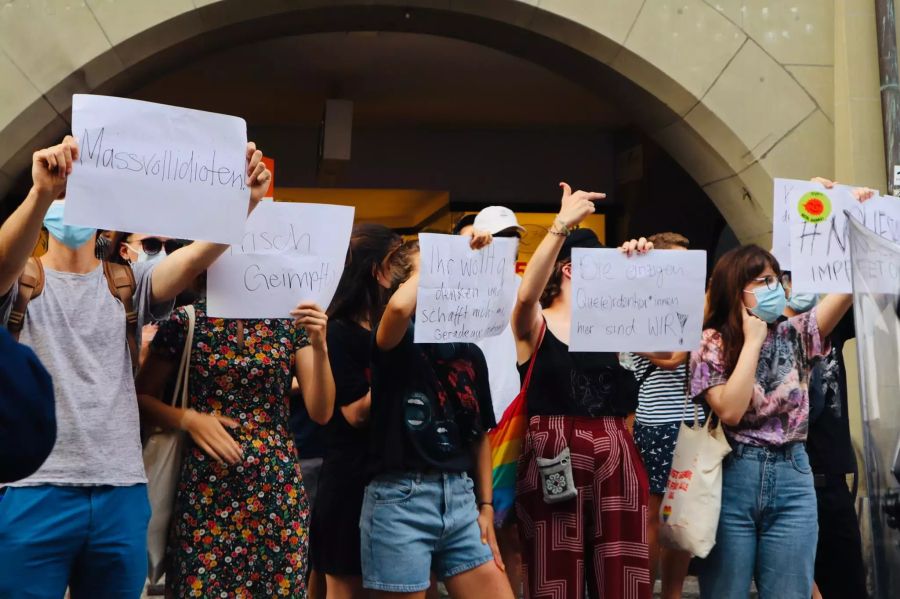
(554, 284)
(359, 296)
(731, 275)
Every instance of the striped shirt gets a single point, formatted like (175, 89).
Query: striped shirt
(661, 397)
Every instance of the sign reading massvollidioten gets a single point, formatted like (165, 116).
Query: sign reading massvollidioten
(819, 235)
(464, 294)
(158, 169)
(652, 302)
(290, 252)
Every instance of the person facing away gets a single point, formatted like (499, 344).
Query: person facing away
(662, 407)
(80, 521)
(374, 266)
(753, 368)
(421, 512)
(576, 404)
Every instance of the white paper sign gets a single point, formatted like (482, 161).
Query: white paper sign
(290, 252)
(643, 303)
(157, 169)
(781, 217)
(820, 245)
(464, 295)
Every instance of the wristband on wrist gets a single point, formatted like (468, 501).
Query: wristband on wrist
(481, 504)
(559, 228)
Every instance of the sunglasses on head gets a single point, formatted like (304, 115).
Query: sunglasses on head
(153, 245)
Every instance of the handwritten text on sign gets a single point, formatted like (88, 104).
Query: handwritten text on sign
(290, 252)
(819, 239)
(464, 294)
(158, 169)
(642, 303)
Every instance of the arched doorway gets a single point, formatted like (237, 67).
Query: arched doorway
(695, 78)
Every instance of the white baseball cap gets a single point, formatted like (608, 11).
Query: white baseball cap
(495, 219)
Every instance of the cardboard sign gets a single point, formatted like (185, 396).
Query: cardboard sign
(464, 295)
(643, 303)
(157, 169)
(290, 252)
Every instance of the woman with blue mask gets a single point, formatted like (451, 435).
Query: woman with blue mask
(753, 368)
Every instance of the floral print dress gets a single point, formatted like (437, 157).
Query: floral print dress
(239, 531)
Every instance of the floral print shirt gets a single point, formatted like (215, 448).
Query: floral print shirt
(779, 409)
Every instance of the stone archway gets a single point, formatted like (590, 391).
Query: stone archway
(735, 99)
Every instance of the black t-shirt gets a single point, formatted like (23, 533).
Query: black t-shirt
(828, 444)
(586, 384)
(350, 354)
(430, 404)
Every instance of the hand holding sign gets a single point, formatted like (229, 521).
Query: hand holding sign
(258, 175)
(312, 318)
(51, 167)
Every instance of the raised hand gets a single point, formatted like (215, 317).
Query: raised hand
(863, 194)
(636, 246)
(480, 239)
(258, 176)
(312, 318)
(827, 183)
(51, 167)
(576, 206)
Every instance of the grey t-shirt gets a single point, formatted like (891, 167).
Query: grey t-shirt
(77, 329)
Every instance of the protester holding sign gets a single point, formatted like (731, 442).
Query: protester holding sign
(431, 406)
(580, 466)
(753, 368)
(375, 265)
(81, 520)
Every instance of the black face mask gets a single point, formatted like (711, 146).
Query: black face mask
(101, 247)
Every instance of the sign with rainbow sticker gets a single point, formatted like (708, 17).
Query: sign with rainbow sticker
(666, 512)
(814, 207)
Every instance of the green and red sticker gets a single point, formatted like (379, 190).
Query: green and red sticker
(814, 207)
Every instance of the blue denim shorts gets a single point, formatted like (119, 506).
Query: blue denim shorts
(412, 524)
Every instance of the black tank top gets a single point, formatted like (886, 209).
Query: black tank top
(588, 384)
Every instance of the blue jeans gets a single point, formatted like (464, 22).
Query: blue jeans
(412, 524)
(93, 539)
(768, 526)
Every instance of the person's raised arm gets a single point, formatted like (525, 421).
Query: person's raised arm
(175, 272)
(730, 401)
(526, 315)
(313, 367)
(50, 169)
(399, 311)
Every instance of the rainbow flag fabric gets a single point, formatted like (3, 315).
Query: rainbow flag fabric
(506, 441)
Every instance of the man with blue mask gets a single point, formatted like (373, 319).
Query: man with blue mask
(839, 564)
(80, 521)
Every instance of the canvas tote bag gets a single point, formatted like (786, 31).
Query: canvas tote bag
(162, 462)
(689, 514)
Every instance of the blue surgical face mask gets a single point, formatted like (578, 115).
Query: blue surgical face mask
(802, 302)
(770, 303)
(70, 235)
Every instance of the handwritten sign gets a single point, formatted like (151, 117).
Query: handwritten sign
(290, 252)
(158, 169)
(643, 303)
(819, 235)
(464, 295)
